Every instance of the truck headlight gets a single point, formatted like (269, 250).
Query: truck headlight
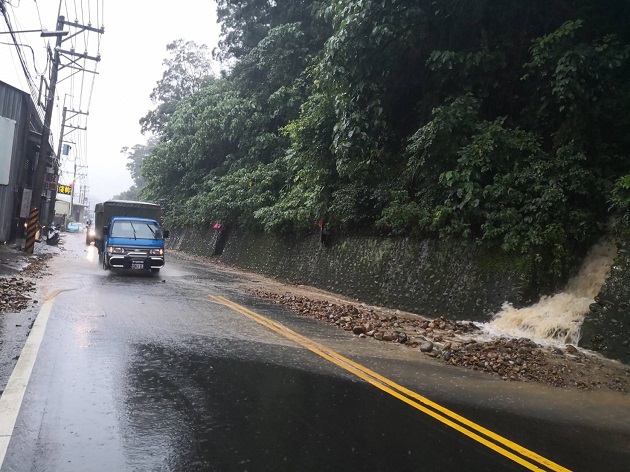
(115, 250)
(156, 252)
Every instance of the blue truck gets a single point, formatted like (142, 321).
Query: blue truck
(128, 235)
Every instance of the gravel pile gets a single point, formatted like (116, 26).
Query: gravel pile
(14, 291)
(37, 266)
(460, 344)
(14, 294)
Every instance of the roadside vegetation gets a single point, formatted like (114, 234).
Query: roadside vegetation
(501, 122)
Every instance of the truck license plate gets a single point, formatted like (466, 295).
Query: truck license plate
(137, 265)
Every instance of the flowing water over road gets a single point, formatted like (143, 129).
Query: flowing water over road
(557, 319)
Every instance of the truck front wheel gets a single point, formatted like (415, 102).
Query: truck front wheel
(105, 262)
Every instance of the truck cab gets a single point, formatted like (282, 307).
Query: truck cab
(133, 243)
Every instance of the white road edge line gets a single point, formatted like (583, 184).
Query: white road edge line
(11, 399)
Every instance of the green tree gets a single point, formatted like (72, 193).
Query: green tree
(245, 23)
(202, 132)
(131, 194)
(232, 124)
(135, 155)
(501, 122)
(309, 169)
(188, 68)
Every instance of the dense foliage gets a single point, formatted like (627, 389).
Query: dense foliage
(135, 156)
(498, 121)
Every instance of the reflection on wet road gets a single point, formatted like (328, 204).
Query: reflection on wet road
(147, 373)
(243, 414)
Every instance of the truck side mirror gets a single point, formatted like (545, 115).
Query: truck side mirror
(166, 233)
(106, 230)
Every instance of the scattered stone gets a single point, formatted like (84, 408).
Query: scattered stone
(571, 349)
(358, 330)
(14, 291)
(508, 359)
(13, 294)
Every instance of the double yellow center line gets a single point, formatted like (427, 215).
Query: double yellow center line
(519, 454)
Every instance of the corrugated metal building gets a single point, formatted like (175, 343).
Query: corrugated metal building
(18, 117)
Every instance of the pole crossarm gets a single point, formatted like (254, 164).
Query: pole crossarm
(73, 128)
(67, 116)
(78, 55)
(80, 69)
(77, 70)
(73, 62)
(78, 112)
(88, 27)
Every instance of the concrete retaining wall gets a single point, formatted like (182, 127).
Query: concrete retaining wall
(607, 327)
(431, 277)
(428, 277)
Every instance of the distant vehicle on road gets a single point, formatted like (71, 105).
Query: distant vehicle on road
(74, 227)
(89, 234)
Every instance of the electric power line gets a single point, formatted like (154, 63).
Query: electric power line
(23, 63)
(81, 89)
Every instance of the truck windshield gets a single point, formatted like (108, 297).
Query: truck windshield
(136, 230)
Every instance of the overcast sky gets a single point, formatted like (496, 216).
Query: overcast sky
(132, 50)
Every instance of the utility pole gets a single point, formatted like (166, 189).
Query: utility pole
(44, 147)
(37, 203)
(74, 183)
(62, 135)
(53, 198)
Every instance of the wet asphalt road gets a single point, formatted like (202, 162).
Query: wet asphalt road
(149, 373)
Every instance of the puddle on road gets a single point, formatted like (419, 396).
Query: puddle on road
(185, 411)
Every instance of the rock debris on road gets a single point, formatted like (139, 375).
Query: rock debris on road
(14, 294)
(15, 291)
(454, 343)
